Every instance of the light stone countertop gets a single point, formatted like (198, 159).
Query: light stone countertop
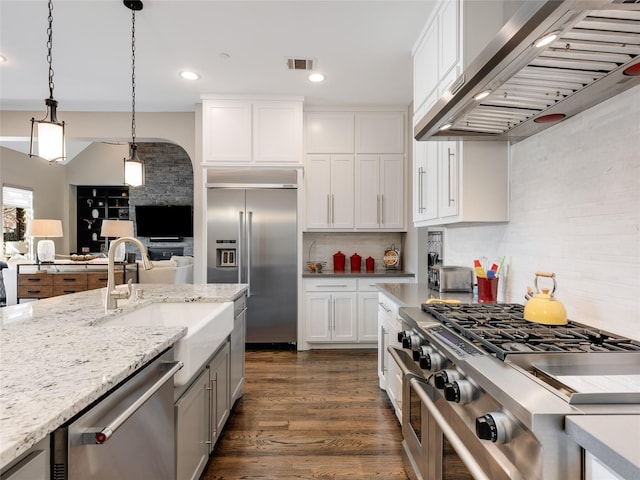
(612, 439)
(55, 359)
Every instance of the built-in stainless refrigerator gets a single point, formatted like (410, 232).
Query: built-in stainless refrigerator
(252, 238)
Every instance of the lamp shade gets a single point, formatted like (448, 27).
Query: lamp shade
(44, 227)
(116, 228)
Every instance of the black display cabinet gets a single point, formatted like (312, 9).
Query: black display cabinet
(97, 203)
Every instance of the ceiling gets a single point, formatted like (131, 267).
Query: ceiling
(363, 47)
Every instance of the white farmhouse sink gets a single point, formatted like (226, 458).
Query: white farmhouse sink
(208, 324)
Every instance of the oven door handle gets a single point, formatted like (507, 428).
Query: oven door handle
(407, 366)
(465, 455)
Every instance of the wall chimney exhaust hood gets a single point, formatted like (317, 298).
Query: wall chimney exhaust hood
(594, 56)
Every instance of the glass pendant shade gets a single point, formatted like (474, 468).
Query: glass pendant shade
(49, 140)
(134, 169)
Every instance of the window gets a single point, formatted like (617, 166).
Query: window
(17, 210)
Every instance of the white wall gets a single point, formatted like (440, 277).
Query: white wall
(575, 211)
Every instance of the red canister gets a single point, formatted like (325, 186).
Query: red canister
(370, 264)
(338, 261)
(356, 262)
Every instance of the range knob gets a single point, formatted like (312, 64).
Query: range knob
(402, 335)
(445, 376)
(494, 426)
(432, 361)
(422, 350)
(460, 391)
(412, 341)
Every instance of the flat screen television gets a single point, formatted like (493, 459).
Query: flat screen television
(164, 221)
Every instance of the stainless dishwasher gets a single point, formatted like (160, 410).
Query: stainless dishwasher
(127, 434)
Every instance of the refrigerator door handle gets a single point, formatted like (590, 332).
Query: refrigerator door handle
(239, 255)
(249, 238)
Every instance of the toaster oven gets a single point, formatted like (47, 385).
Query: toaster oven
(450, 278)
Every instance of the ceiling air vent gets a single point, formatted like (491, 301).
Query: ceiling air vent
(299, 64)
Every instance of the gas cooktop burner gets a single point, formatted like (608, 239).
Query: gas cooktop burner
(502, 330)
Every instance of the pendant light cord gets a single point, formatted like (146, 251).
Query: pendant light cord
(133, 77)
(49, 49)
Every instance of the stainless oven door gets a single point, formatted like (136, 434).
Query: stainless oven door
(437, 442)
(456, 452)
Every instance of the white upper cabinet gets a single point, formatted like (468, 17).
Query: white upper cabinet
(455, 33)
(251, 131)
(329, 186)
(380, 132)
(329, 132)
(380, 192)
(378, 141)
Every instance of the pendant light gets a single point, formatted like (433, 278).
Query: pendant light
(48, 133)
(133, 166)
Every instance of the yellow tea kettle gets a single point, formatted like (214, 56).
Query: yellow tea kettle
(544, 307)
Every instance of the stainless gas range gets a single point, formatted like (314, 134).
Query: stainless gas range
(490, 391)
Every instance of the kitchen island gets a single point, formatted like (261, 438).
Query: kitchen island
(55, 361)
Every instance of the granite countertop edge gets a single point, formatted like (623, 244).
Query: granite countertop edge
(51, 347)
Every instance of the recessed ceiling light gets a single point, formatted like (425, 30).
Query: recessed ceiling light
(546, 39)
(482, 95)
(189, 75)
(446, 126)
(316, 77)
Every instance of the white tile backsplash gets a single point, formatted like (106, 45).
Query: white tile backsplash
(575, 211)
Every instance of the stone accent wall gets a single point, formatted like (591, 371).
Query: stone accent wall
(169, 181)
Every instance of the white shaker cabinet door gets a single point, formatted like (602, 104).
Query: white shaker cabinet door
(392, 199)
(344, 328)
(317, 315)
(342, 196)
(227, 131)
(329, 132)
(277, 132)
(380, 132)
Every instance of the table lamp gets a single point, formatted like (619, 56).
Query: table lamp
(117, 229)
(47, 228)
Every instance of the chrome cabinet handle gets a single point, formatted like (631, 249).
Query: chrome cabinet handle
(249, 236)
(333, 209)
(239, 254)
(449, 155)
(328, 209)
(381, 209)
(384, 307)
(420, 192)
(331, 286)
(102, 436)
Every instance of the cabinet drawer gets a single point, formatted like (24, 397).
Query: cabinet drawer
(97, 280)
(331, 285)
(35, 291)
(37, 279)
(69, 279)
(70, 288)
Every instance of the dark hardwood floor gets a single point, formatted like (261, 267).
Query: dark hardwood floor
(310, 415)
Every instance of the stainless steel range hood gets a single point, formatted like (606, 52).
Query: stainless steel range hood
(531, 88)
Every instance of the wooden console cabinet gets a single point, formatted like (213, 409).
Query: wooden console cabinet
(53, 279)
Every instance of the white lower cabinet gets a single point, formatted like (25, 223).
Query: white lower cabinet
(389, 373)
(331, 317)
(200, 415)
(341, 310)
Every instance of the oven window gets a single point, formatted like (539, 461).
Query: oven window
(452, 466)
(415, 414)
